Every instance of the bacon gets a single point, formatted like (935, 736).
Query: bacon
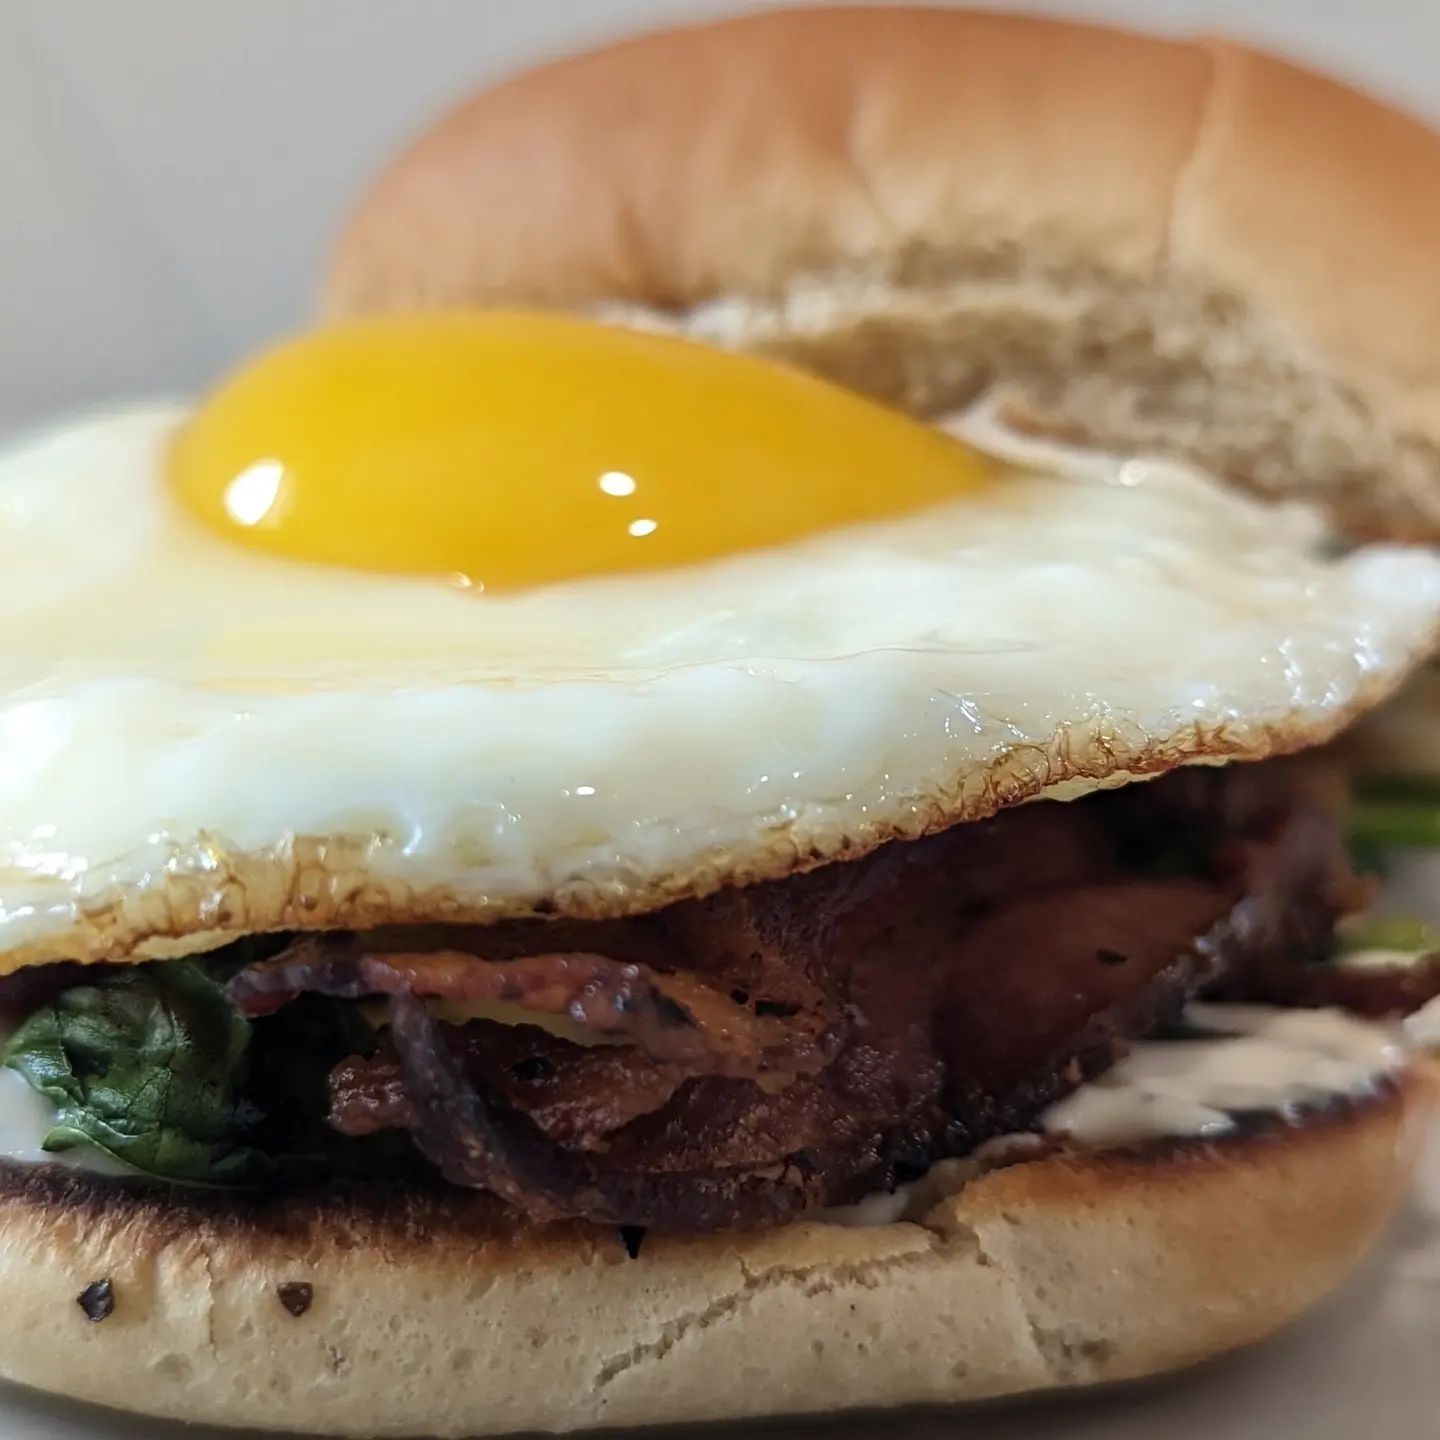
(575, 1094)
(716, 1152)
(476, 1143)
(676, 1018)
(1381, 993)
(806, 1042)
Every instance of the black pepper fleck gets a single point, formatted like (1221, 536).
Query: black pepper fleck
(97, 1299)
(1110, 957)
(957, 1137)
(777, 1009)
(632, 1237)
(906, 1169)
(296, 1296)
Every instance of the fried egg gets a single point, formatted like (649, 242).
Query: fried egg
(474, 616)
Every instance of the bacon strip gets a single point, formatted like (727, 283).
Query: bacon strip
(832, 1033)
(1379, 994)
(478, 1144)
(574, 1094)
(678, 1019)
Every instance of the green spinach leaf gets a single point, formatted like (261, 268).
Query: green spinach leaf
(148, 1063)
(152, 1064)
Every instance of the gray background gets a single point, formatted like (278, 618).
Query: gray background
(170, 170)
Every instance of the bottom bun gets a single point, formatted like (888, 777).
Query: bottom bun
(426, 1314)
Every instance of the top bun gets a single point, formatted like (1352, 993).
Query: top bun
(1189, 248)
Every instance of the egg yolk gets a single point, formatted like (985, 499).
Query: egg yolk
(504, 450)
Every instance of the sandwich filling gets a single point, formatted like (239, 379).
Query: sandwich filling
(640, 863)
(744, 1059)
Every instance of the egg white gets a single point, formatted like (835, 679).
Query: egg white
(168, 700)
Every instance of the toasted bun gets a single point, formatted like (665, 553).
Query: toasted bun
(427, 1316)
(1187, 247)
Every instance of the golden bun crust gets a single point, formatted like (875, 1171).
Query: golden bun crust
(428, 1316)
(1182, 246)
(792, 142)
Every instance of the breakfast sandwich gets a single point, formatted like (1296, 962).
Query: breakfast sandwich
(733, 790)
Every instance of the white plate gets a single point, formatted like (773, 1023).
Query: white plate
(1366, 1366)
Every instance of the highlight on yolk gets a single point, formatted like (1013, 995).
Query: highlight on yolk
(504, 450)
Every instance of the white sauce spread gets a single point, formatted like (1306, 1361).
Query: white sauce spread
(1422, 1029)
(1260, 1059)
(1255, 1059)
(26, 1117)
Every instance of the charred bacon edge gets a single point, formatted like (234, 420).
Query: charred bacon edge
(676, 1018)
